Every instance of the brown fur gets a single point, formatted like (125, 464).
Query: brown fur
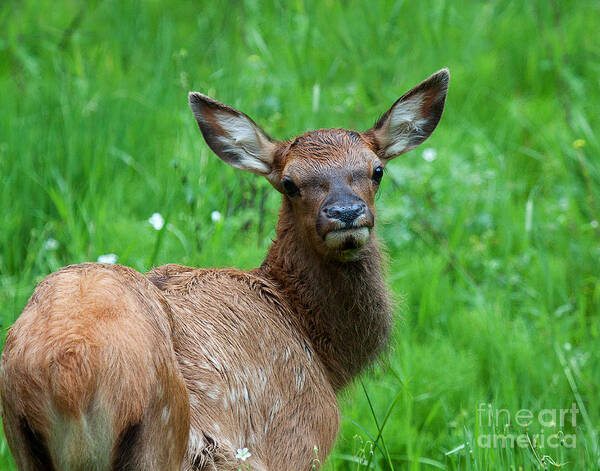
(177, 369)
(93, 344)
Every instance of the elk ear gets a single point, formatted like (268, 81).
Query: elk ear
(232, 135)
(412, 118)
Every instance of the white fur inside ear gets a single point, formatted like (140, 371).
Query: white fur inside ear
(244, 140)
(405, 122)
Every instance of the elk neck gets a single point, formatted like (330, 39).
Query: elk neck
(343, 308)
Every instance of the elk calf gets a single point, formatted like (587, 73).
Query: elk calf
(109, 369)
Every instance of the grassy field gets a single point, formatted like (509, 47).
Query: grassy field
(493, 232)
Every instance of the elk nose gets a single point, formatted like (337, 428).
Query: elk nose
(346, 213)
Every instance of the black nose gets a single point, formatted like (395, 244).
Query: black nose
(346, 213)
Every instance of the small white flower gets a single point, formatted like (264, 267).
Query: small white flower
(429, 154)
(157, 221)
(594, 224)
(567, 346)
(243, 454)
(109, 258)
(51, 244)
(216, 216)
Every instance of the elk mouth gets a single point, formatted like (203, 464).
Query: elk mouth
(347, 240)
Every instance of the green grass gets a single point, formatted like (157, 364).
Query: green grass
(494, 247)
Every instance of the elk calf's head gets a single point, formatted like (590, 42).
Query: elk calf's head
(330, 176)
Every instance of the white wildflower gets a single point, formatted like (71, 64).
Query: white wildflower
(567, 346)
(429, 154)
(51, 244)
(157, 221)
(109, 258)
(243, 454)
(594, 224)
(216, 216)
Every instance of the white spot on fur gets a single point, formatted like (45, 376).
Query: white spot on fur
(274, 410)
(262, 378)
(216, 363)
(166, 412)
(300, 380)
(245, 394)
(308, 351)
(212, 393)
(195, 443)
(274, 355)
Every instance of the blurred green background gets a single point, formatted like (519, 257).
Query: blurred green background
(492, 225)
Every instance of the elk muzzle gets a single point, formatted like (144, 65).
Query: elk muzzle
(345, 225)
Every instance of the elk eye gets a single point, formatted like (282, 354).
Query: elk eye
(377, 174)
(290, 187)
